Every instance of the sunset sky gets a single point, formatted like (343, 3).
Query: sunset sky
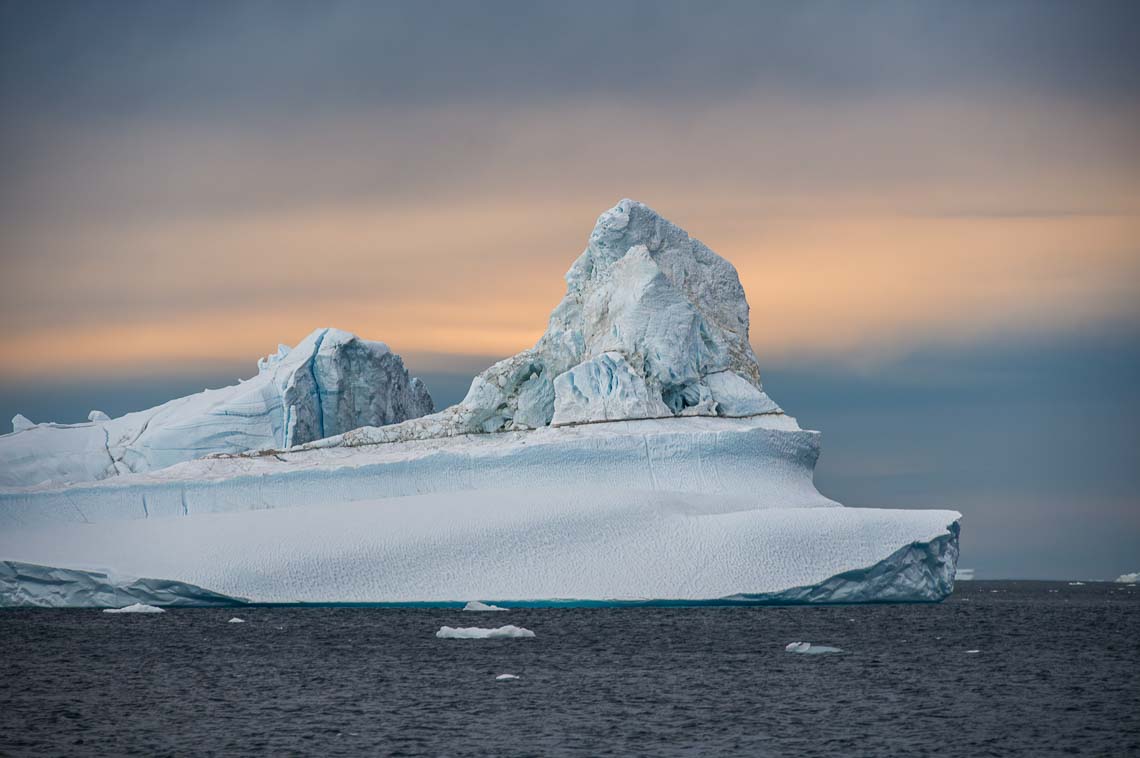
(934, 210)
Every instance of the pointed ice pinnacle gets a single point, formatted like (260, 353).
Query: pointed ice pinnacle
(654, 324)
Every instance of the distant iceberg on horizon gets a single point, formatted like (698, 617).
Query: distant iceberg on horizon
(631, 456)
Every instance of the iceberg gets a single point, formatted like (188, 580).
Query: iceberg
(1128, 578)
(136, 608)
(477, 633)
(475, 605)
(331, 382)
(806, 648)
(631, 456)
(505, 677)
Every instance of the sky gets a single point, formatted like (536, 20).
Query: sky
(934, 209)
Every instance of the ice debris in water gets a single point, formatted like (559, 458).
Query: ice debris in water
(1132, 578)
(478, 633)
(973, 651)
(236, 620)
(475, 605)
(136, 608)
(504, 677)
(809, 649)
(1076, 584)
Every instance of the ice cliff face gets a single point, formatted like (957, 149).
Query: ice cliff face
(328, 384)
(654, 324)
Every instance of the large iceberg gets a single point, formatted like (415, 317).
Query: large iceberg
(330, 383)
(630, 456)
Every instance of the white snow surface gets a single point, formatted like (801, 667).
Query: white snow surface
(1129, 578)
(475, 605)
(478, 633)
(806, 648)
(330, 383)
(136, 608)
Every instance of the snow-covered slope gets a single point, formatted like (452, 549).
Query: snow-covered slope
(330, 383)
(630, 455)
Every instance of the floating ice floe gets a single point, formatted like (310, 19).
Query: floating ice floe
(973, 651)
(236, 620)
(505, 677)
(136, 608)
(1129, 578)
(806, 648)
(478, 633)
(475, 605)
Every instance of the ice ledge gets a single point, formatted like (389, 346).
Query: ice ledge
(766, 459)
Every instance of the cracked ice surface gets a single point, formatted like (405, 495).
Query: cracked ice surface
(330, 383)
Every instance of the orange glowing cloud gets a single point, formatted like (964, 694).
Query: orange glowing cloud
(856, 233)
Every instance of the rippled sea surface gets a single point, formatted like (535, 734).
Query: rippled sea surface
(1057, 671)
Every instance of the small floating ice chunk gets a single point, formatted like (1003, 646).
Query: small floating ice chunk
(236, 620)
(973, 651)
(475, 605)
(807, 648)
(1076, 584)
(505, 677)
(478, 633)
(1133, 578)
(136, 608)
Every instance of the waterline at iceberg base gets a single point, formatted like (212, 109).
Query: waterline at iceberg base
(630, 456)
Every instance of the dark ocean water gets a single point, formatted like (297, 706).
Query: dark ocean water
(1057, 672)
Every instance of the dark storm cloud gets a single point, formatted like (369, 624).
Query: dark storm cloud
(112, 59)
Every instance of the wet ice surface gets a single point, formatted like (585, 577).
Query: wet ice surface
(1055, 673)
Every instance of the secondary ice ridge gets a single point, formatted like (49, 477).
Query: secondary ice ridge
(330, 383)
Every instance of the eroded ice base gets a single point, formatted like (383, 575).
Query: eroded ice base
(519, 547)
(25, 584)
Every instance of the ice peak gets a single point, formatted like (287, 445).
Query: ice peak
(653, 324)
